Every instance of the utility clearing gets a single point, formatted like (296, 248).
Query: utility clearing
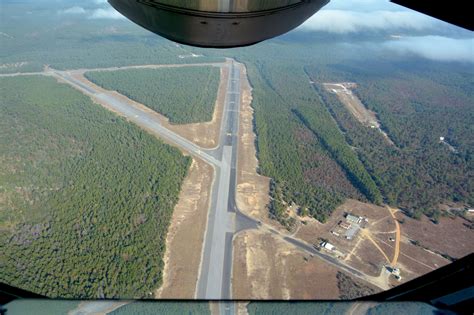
(365, 116)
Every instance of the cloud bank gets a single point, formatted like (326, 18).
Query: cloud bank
(100, 13)
(105, 14)
(342, 21)
(434, 47)
(73, 10)
(92, 9)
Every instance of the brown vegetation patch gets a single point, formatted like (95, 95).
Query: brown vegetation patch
(414, 261)
(313, 230)
(319, 169)
(350, 288)
(450, 236)
(367, 259)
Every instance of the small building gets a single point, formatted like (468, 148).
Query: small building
(327, 246)
(353, 219)
(352, 232)
(441, 138)
(345, 225)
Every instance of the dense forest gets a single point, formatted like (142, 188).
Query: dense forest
(296, 308)
(416, 107)
(164, 307)
(322, 155)
(183, 94)
(34, 34)
(309, 160)
(86, 198)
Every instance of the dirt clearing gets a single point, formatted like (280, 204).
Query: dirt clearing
(185, 235)
(269, 268)
(354, 105)
(252, 189)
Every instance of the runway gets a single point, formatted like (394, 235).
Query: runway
(224, 219)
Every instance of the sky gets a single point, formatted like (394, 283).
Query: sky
(91, 9)
(412, 33)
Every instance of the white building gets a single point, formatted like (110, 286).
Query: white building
(327, 246)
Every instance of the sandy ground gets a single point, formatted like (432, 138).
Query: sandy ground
(186, 234)
(252, 189)
(267, 267)
(204, 134)
(353, 104)
(242, 308)
(360, 252)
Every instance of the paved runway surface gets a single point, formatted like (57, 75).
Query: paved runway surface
(224, 218)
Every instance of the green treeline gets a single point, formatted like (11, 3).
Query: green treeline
(415, 107)
(86, 197)
(99, 43)
(184, 95)
(297, 144)
(164, 307)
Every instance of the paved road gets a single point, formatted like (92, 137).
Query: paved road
(97, 307)
(224, 218)
(138, 116)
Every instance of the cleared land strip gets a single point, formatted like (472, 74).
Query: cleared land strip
(143, 118)
(216, 64)
(355, 107)
(48, 71)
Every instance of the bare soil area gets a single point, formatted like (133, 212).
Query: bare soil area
(359, 252)
(413, 260)
(353, 104)
(450, 236)
(269, 268)
(379, 221)
(252, 189)
(185, 235)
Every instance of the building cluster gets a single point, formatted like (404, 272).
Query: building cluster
(349, 227)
